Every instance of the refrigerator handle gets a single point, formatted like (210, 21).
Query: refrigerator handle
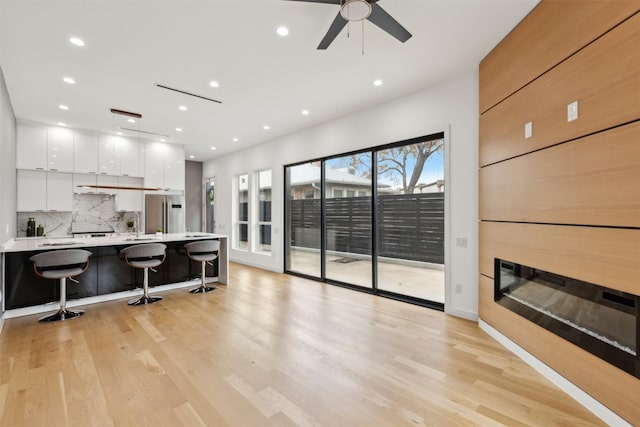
(164, 217)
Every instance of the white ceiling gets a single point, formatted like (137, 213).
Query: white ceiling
(264, 78)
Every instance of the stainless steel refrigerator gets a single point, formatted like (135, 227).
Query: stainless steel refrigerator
(164, 212)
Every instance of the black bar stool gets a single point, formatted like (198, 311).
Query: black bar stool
(204, 251)
(146, 256)
(61, 265)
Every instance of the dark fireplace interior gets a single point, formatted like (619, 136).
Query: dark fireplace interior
(600, 320)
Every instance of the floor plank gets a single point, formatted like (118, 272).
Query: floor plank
(269, 350)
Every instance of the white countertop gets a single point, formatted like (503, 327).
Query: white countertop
(43, 243)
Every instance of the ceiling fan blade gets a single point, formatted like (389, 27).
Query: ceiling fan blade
(383, 20)
(319, 1)
(337, 26)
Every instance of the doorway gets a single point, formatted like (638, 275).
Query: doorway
(209, 205)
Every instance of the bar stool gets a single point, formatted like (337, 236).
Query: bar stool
(204, 251)
(61, 265)
(146, 256)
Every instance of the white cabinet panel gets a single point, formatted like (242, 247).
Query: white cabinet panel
(129, 200)
(128, 155)
(83, 179)
(59, 191)
(106, 155)
(31, 147)
(110, 181)
(32, 191)
(60, 150)
(85, 153)
(154, 164)
(174, 167)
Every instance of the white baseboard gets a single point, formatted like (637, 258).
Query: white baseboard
(1, 322)
(52, 306)
(256, 265)
(597, 408)
(465, 314)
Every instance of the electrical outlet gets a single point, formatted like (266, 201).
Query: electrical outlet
(461, 242)
(528, 130)
(458, 288)
(572, 111)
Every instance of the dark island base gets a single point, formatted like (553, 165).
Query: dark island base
(107, 273)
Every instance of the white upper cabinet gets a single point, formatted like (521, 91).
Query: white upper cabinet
(31, 147)
(85, 153)
(128, 156)
(32, 191)
(106, 155)
(59, 191)
(129, 200)
(80, 179)
(154, 164)
(60, 150)
(108, 181)
(164, 166)
(174, 167)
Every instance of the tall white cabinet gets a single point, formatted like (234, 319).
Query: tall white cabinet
(164, 166)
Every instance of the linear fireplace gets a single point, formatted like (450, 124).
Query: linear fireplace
(602, 321)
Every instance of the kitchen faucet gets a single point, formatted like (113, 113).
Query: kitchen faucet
(137, 224)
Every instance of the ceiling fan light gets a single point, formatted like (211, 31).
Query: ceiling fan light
(355, 10)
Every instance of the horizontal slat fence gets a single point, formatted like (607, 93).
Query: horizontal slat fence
(410, 226)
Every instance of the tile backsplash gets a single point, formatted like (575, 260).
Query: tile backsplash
(91, 213)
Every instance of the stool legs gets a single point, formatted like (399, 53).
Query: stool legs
(62, 313)
(145, 298)
(202, 288)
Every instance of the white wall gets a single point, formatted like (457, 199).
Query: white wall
(453, 105)
(7, 168)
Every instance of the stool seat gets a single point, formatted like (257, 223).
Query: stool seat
(203, 251)
(145, 256)
(61, 265)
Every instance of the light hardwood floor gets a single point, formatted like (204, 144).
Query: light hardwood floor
(269, 350)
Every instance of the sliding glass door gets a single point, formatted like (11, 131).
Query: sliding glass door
(373, 219)
(348, 195)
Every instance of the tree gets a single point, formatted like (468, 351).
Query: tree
(395, 164)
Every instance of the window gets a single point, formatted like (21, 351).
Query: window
(241, 239)
(337, 193)
(362, 193)
(351, 193)
(309, 194)
(264, 212)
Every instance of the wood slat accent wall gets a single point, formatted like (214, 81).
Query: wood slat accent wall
(590, 181)
(543, 40)
(566, 200)
(585, 370)
(604, 79)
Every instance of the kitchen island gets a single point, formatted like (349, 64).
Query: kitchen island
(108, 276)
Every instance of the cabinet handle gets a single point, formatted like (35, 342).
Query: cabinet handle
(40, 169)
(125, 174)
(39, 210)
(92, 172)
(103, 173)
(55, 170)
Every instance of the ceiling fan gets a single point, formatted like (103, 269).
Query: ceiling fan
(357, 10)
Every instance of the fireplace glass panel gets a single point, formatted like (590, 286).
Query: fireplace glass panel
(602, 321)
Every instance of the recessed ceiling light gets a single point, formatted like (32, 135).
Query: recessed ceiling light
(305, 112)
(192, 156)
(131, 120)
(63, 107)
(377, 82)
(61, 124)
(235, 140)
(119, 133)
(282, 31)
(69, 80)
(163, 140)
(178, 129)
(266, 127)
(77, 41)
(213, 148)
(214, 83)
(182, 108)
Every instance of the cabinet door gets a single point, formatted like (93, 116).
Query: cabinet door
(59, 191)
(32, 191)
(110, 181)
(129, 200)
(80, 179)
(174, 167)
(31, 147)
(85, 153)
(154, 164)
(128, 154)
(106, 155)
(60, 150)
